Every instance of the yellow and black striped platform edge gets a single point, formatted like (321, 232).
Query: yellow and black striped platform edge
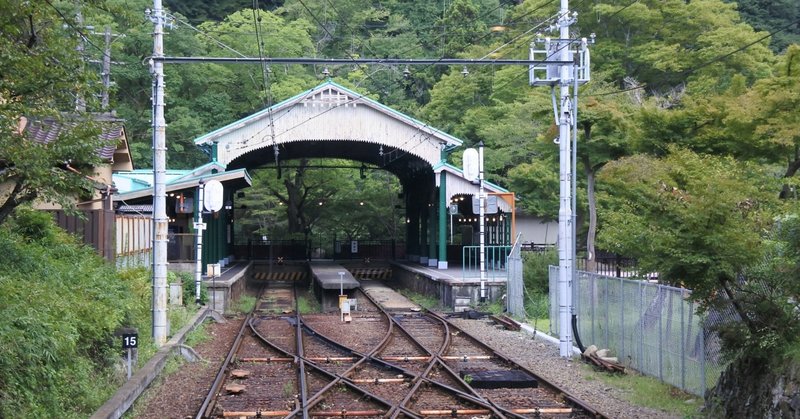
(280, 276)
(371, 273)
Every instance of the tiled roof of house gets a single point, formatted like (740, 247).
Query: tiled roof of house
(135, 209)
(47, 130)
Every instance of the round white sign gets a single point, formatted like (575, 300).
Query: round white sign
(471, 164)
(212, 196)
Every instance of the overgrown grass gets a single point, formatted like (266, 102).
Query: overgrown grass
(198, 335)
(306, 305)
(425, 301)
(173, 364)
(61, 306)
(650, 392)
(245, 304)
(494, 307)
(180, 316)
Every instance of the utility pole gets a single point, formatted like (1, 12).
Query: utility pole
(573, 68)
(106, 74)
(80, 101)
(160, 325)
(565, 232)
(106, 63)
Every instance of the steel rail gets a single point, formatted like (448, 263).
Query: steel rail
(307, 404)
(400, 407)
(571, 398)
(474, 398)
(207, 402)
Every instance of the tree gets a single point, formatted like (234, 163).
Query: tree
(41, 74)
(773, 16)
(767, 114)
(695, 219)
(673, 43)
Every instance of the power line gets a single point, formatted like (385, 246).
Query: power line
(80, 32)
(340, 61)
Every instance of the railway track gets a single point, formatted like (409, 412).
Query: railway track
(381, 364)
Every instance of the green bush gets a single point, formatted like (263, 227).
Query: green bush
(535, 271)
(189, 291)
(61, 306)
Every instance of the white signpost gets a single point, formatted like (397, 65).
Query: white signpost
(473, 170)
(210, 198)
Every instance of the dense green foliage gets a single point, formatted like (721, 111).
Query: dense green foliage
(61, 306)
(775, 16)
(41, 76)
(689, 130)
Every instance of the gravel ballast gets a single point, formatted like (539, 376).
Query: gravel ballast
(574, 377)
(180, 394)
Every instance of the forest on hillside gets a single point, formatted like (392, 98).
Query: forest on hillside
(688, 133)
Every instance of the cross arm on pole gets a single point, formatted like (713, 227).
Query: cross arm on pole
(344, 61)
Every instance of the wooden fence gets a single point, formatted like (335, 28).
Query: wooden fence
(94, 227)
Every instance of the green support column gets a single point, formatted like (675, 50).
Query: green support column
(423, 233)
(432, 233)
(413, 231)
(442, 264)
(211, 239)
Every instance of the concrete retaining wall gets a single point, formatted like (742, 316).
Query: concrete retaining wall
(124, 398)
(222, 292)
(456, 295)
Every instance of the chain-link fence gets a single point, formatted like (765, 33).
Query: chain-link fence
(650, 327)
(515, 282)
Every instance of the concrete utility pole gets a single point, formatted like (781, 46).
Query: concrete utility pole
(106, 74)
(566, 67)
(565, 231)
(160, 325)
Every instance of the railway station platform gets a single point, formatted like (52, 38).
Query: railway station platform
(227, 286)
(329, 279)
(453, 287)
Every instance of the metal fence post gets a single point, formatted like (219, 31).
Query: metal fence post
(621, 319)
(660, 337)
(608, 314)
(642, 322)
(592, 294)
(683, 348)
(702, 356)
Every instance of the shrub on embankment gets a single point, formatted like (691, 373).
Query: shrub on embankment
(59, 307)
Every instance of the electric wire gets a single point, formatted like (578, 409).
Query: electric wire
(80, 32)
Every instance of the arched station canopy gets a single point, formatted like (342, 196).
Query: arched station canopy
(332, 121)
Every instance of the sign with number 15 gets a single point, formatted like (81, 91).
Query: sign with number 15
(130, 341)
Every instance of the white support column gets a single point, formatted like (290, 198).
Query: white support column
(199, 226)
(481, 223)
(565, 231)
(160, 325)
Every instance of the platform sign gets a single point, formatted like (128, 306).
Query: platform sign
(471, 162)
(212, 195)
(491, 205)
(130, 341)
